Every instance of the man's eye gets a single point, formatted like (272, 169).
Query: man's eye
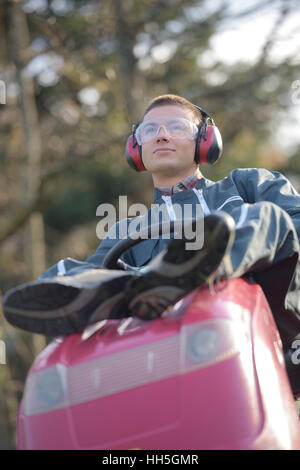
(149, 130)
(177, 126)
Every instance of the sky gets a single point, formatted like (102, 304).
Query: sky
(244, 37)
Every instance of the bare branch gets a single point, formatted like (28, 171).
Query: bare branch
(151, 13)
(284, 11)
(258, 7)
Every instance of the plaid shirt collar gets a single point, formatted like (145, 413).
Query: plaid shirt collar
(186, 183)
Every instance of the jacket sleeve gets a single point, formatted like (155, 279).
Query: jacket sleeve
(70, 266)
(256, 185)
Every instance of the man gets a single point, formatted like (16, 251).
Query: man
(260, 207)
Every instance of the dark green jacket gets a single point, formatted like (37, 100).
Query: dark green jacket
(229, 195)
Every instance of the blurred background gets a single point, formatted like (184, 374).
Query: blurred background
(75, 75)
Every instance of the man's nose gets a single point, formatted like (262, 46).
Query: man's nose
(162, 133)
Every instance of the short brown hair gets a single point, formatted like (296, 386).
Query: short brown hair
(169, 99)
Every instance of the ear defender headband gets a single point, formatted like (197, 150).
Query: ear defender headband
(208, 149)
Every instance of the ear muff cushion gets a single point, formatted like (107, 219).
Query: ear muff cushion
(215, 150)
(209, 150)
(133, 155)
(197, 151)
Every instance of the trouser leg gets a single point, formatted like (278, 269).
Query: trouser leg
(275, 285)
(267, 245)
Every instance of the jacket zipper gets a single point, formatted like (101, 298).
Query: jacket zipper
(199, 194)
(170, 207)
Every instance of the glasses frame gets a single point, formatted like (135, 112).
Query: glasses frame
(138, 129)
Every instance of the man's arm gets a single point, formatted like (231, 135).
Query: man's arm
(256, 185)
(70, 266)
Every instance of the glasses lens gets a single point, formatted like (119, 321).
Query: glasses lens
(179, 128)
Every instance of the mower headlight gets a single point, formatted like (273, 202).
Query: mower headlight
(46, 391)
(211, 341)
(203, 344)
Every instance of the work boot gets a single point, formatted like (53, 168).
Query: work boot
(177, 270)
(65, 304)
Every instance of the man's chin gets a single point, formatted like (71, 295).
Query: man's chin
(166, 167)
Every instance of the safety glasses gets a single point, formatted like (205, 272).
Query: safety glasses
(178, 128)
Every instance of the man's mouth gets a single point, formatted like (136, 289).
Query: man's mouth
(164, 150)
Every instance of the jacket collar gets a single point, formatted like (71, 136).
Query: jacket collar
(187, 183)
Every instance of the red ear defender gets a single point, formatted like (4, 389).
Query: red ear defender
(134, 154)
(209, 145)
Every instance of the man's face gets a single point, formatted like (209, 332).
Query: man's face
(167, 155)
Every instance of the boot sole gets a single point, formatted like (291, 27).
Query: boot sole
(77, 305)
